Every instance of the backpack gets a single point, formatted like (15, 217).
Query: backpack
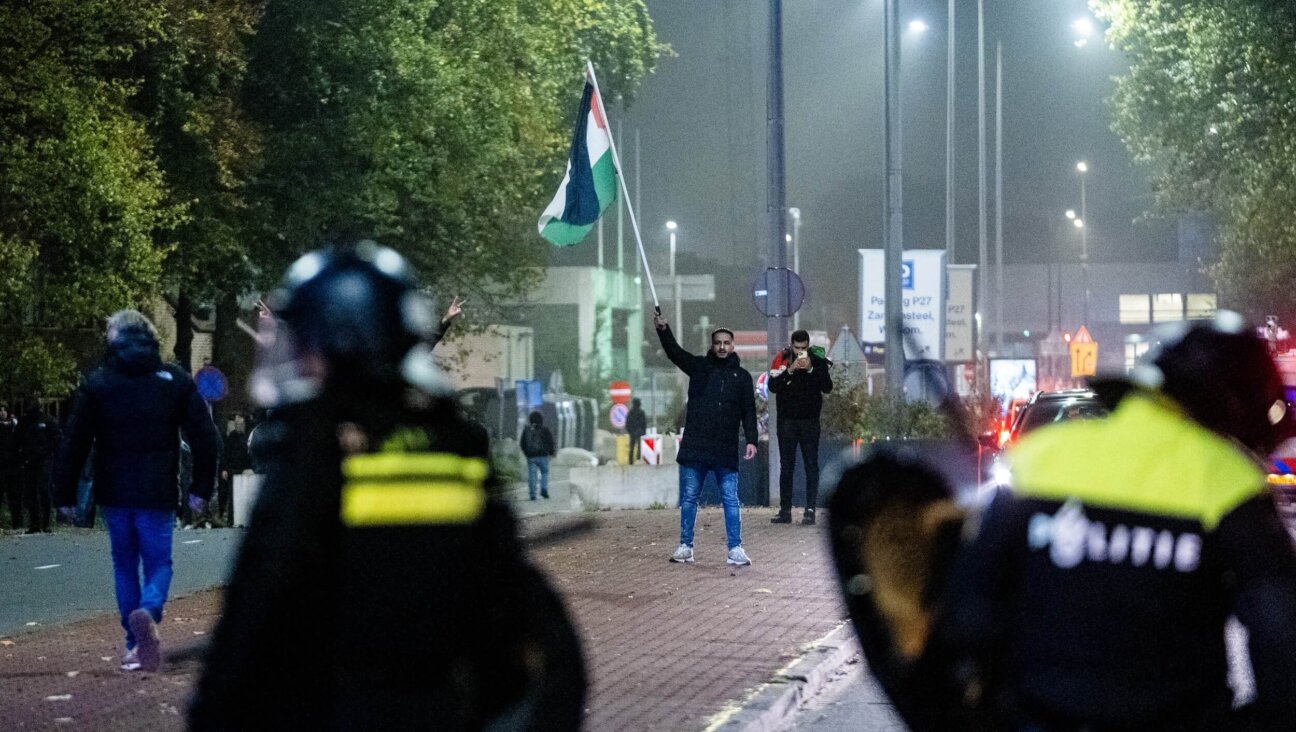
(533, 442)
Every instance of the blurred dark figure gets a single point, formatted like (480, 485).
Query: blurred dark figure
(636, 427)
(10, 485)
(381, 584)
(234, 460)
(1097, 589)
(131, 412)
(38, 439)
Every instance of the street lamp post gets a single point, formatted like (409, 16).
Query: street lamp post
(671, 226)
(1082, 167)
(795, 213)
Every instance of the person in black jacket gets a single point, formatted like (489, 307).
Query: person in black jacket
(131, 410)
(38, 439)
(9, 465)
(636, 426)
(234, 460)
(538, 446)
(799, 378)
(381, 584)
(720, 397)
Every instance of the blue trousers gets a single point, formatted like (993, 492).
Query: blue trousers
(538, 465)
(140, 538)
(691, 478)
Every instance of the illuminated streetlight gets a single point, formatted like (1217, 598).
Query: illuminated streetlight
(1082, 166)
(917, 26)
(671, 225)
(1084, 27)
(1070, 214)
(1079, 223)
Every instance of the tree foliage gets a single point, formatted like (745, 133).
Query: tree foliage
(191, 148)
(1210, 102)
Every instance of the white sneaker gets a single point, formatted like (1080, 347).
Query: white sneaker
(683, 554)
(130, 661)
(738, 557)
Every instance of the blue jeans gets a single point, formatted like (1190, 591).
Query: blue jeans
(538, 465)
(691, 478)
(140, 536)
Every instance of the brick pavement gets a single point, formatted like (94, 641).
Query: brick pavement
(668, 647)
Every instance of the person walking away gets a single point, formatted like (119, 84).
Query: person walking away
(38, 439)
(381, 584)
(720, 398)
(1098, 588)
(636, 426)
(799, 378)
(538, 447)
(234, 460)
(10, 484)
(132, 410)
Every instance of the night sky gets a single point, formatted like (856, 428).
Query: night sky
(701, 120)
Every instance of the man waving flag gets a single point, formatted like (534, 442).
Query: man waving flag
(590, 184)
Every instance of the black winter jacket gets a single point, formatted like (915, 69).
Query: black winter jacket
(537, 441)
(131, 409)
(800, 393)
(636, 422)
(720, 397)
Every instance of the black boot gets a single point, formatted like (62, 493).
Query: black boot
(808, 518)
(783, 517)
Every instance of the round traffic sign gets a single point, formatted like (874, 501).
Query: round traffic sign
(212, 384)
(617, 415)
(778, 292)
(619, 391)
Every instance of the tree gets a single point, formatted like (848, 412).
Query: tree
(1209, 102)
(83, 219)
(437, 127)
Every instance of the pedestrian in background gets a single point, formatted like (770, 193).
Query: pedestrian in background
(10, 485)
(538, 446)
(234, 460)
(636, 426)
(799, 378)
(38, 439)
(720, 398)
(132, 410)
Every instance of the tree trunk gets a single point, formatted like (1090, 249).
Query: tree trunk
(184, 331)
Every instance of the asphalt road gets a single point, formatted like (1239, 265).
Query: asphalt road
(49, 578)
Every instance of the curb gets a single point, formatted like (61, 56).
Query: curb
(770, 705)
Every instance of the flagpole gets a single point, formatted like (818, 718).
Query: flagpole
(625, 193)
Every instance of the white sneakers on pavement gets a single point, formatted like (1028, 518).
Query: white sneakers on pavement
(738, 557)
(683, 554)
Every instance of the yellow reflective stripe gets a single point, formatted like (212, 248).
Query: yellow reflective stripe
(1145, 457)
(411, 502)
(418, 464)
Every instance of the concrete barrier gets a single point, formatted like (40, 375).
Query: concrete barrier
(624, 486)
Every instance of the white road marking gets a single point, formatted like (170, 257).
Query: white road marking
(48, 566)
(192, 541)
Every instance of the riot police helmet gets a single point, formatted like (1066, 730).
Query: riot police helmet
(345, 320)
(1220, 372)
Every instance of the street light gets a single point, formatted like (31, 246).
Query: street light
(671, 226)
(918, 26)
(795, 238)
(1071, 214)
(1083, 168)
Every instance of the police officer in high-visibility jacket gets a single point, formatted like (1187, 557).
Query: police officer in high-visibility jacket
(1096, 591)
(381, 585)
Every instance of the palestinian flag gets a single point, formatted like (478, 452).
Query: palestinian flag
(589, 186)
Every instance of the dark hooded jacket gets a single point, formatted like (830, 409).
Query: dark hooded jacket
(720, 397)
(132, 409)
